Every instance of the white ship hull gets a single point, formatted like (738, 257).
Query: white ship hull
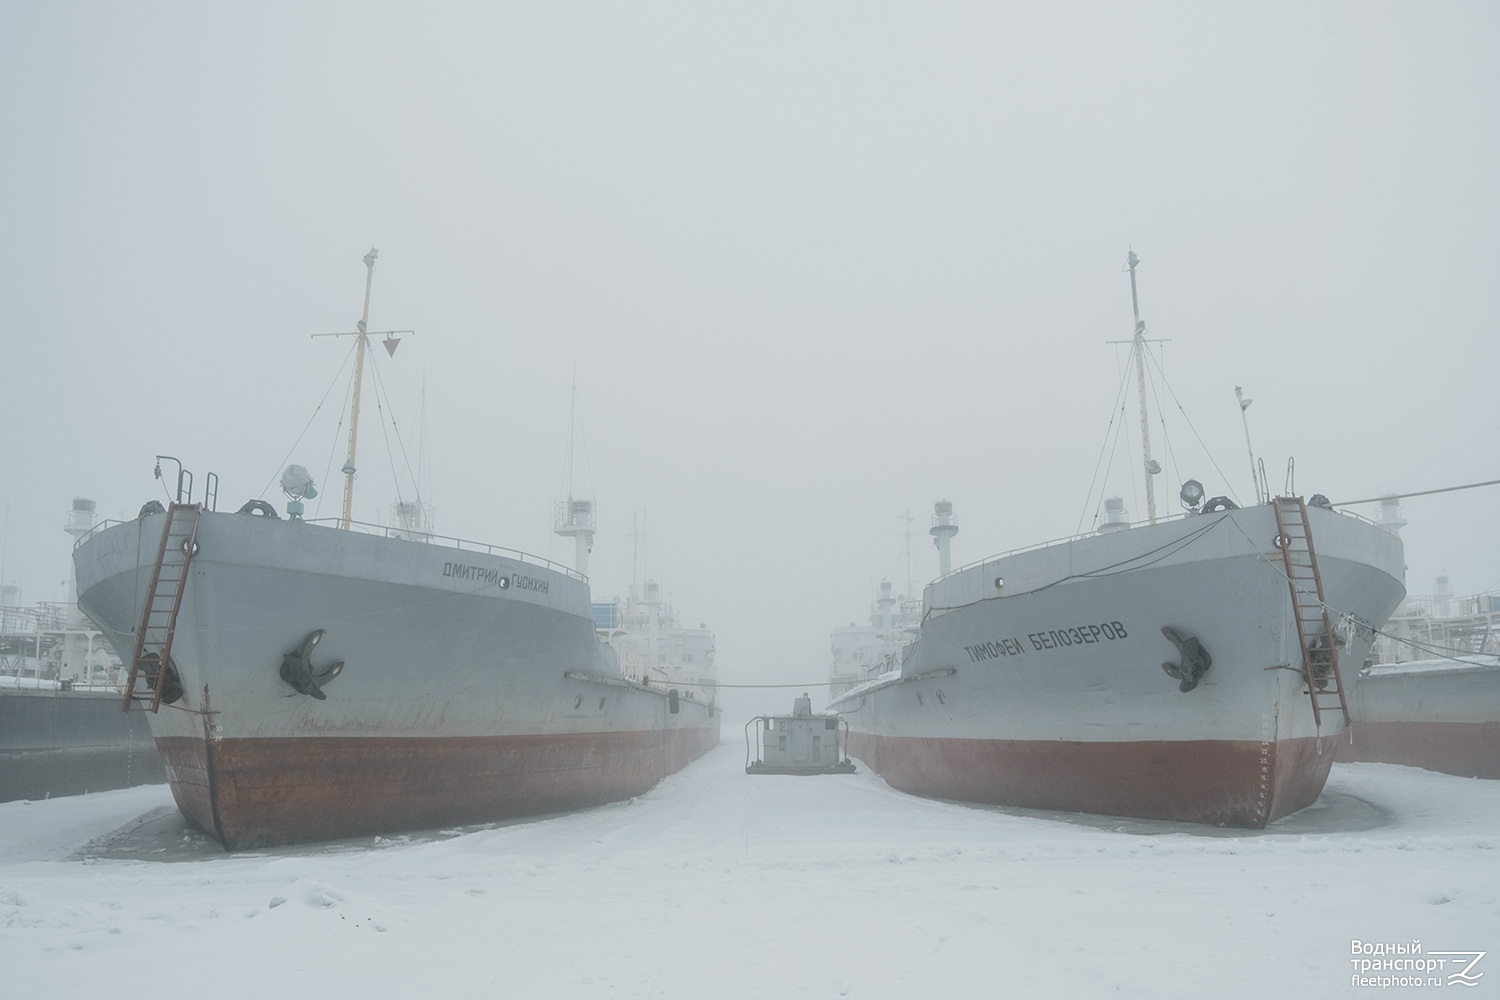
(1442, 715)
(1049, 691)
(56, 742)
(474, 687)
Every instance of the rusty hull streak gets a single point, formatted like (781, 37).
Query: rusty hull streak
(1192, 781)
(1467, 749)
(270, 792)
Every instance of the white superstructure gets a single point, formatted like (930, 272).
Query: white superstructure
(861, 652)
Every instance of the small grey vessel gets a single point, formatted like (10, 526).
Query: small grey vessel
(800, 743)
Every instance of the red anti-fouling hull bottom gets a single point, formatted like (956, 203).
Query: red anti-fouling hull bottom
(1469, 749)
(1224, 783)
(265, 792)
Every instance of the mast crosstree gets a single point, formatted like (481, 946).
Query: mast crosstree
(363, 333)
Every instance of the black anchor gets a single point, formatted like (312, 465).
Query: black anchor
(1195, 659)
(297, 669)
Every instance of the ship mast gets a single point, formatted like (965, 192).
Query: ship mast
(1139, 348)
(362, 332)
(573, 518)
(359, 372)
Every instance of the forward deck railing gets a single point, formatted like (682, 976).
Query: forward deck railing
(1090, 534)
(405, 534)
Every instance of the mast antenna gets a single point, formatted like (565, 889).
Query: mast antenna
(572, 418)
(574, 518)
(1239, 394)
(906, 529)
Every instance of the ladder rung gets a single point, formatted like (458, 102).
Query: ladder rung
(158, 621)
(1309, 611)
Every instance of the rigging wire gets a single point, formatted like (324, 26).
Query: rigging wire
(386, 437)
(1135, 482)
(316, 410)
(424, 485)
(1133, 563)
(1422, 493)
(1161, 410)
(1159, 383)
(1463, 447)
(809, 684)
(1170, 465)
(381, 393)
(333, 441)
(1198, 437)
(1164, 551)
(1443, 652)
(1108, 449)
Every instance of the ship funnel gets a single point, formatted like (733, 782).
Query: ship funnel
(79, 523)
(1115, 515)
(1391, 516)
(886, 603)
(575, 519)
(944, 527)
(80, 518)
(410, 519)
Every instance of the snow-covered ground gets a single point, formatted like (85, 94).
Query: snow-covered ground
(716, 884)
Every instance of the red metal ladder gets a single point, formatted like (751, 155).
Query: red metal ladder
(150, 662)
(1315, 634)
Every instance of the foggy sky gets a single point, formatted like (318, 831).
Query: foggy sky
(814, 265)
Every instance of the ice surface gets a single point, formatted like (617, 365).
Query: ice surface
(718, 884)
